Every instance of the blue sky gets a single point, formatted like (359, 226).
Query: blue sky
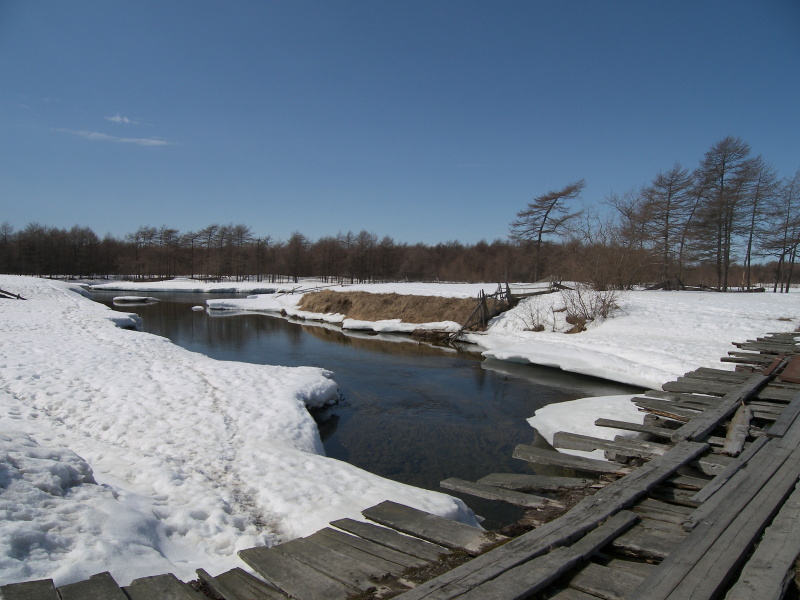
(426, 121)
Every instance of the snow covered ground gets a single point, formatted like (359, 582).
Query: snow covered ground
(120, 451)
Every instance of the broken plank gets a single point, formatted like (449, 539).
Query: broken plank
(98, 587)
(585, 516)
(296, 579)
(488, 492)
(42, 589)
(737, 431)
(729, 471)
(238, 584)
(531, 577)
(393, 556)
(523, 482)
(163, 587)
(767, 574)
(391, 539)
(541, 456)
(649, 543)
(432, 528)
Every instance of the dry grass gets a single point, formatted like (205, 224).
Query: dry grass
(364, 306)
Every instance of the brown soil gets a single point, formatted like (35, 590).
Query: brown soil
(364, 306)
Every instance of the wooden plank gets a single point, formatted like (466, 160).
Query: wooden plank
(768, 572)
(666, 408)
(686, 482)
(649, 543)
(432, 528)
(488, 492)
(702, 564)
(737, 431)
(702, 426)
(293, 578)
(98, 587)
(604, 582)
(42, 589)
(522, 482)
(640, 569)
(661, 432)
(522, 581)
(391, 539)
(541, 456)
(335, 565)
(791, 372)
(570, 594)
(585, 516)
(621, 446)
(400, 559)
(163, 587)
(238, 584)
(788, 416)
(375, 566)
(725, 475)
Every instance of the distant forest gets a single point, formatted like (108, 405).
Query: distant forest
(731, 223)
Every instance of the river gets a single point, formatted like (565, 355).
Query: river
(410, 412)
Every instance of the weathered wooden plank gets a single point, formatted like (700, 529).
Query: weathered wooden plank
(488, 492)
(42, 589)
(396, 557)
(604, 582)
(98, 587)
(585, 516)
(661, 432)
(238, 584)
(375, 566)
(768, 572)
(648, 542)
(571, 594)
(432, 528)
(163, 587)
(296, 579)
(729, 471)
(696, 386)
(391, 539)
(335, 565)
(531, 577)
(640, 569)
(622, 446)
(704, 561)
(686, 482)
(541, 456)
(791, 372)
(675, 496)
(666, 408)
(786, 419)
(702, 426)
(522, 482)
(711, 464)
(737, 431)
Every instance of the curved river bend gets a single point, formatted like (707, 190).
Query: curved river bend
(410, 412)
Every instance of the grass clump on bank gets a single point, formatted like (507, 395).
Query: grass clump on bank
(364, 306)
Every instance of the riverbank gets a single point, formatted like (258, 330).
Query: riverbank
(125, 453)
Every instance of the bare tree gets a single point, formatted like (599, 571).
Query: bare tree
(545, 215)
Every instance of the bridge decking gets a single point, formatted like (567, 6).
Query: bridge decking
(703, 504)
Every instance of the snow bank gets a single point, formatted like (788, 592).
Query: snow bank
(123, 452)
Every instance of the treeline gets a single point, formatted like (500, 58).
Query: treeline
(730, 222)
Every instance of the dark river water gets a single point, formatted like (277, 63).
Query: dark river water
(410, 412)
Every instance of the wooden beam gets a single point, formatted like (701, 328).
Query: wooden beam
(737, 431)
(786, 419)
(42, 589)
(160, 586)
(238, 584)
(432, 528)
(98, 587)
(488, 492)
(523, 482)
(541, 456)
(393, 540)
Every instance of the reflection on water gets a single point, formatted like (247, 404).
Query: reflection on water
(410, 412)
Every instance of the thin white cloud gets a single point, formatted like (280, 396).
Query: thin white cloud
(118, 118)
(103, 137)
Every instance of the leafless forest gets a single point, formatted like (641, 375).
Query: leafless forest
(729, 223)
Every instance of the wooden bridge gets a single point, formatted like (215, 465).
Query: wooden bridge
(703, 504)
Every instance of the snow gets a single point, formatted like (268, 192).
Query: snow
(120, 451)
